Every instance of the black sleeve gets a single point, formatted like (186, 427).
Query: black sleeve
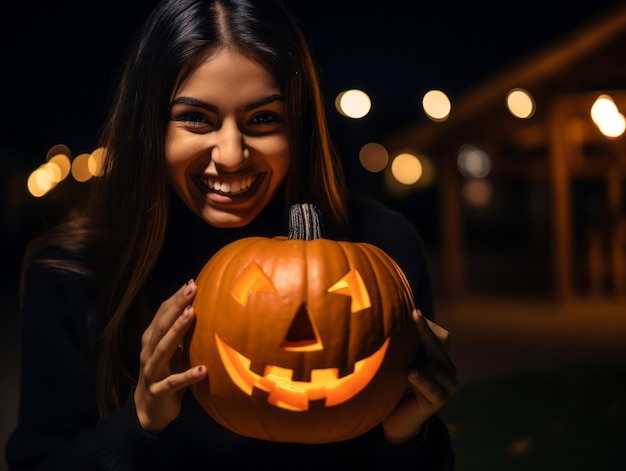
(58, 422)
(389, 230)
(431, 449)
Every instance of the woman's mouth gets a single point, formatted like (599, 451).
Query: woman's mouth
(231, 187)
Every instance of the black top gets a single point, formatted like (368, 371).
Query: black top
(59, 426)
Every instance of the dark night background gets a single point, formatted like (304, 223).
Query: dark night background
(60, 61)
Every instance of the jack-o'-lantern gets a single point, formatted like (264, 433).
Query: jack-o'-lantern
(305, 341)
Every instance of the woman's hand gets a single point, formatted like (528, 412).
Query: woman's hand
(160, 387)
(431, 384)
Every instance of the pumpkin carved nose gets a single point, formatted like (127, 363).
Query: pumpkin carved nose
(302, 335)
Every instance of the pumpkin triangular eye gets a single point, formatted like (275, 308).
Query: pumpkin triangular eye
(353, 285)
(253, 278)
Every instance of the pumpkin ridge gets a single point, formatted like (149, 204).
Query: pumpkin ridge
(357, 259)
(395, 272)
(339, 258)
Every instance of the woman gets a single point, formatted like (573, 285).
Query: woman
(216, 128)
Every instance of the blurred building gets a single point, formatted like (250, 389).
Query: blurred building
(545, 207)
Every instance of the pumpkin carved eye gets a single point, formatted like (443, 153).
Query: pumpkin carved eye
(352, 285)
(253, 278)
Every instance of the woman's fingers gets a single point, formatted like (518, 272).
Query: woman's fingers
(433, 345)
(167, 314)
(172, 339)
(178, 381)
(434, 384)
(442, 334)
(161, 379)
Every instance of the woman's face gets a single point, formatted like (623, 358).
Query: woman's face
(226, 149)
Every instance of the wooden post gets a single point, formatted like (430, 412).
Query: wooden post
(561, 200)
(452, 228)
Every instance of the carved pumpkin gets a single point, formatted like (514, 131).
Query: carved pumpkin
(305, 341)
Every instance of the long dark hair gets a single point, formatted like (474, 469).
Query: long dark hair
(128, 212)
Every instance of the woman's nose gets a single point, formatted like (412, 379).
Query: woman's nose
(230, 151)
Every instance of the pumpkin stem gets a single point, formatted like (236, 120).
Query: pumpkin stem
(305, 222)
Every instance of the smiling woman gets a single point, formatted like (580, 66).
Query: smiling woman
(216, 129)
(227, 148)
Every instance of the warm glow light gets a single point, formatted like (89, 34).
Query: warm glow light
(353, 103)
(436, 105)
(374, 157)
(80, 168)
(39, 182)
(478, 193)
(286, 393)
(95, 163)
(58, 149)
(614, 127)
(603, 107)
(54, 171)
(62, 162)
(521, 104)
(406, 168)
(398, 189)
(607, 117)
(473, 162)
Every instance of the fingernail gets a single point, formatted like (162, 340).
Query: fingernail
(187, 313)
(187, 290)
(413, 375)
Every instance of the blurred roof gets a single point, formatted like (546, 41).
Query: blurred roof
(588, 58)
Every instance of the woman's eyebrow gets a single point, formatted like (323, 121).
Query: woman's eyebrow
(264, 101)
(185, 100)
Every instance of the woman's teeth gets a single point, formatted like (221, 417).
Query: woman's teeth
(234, 187)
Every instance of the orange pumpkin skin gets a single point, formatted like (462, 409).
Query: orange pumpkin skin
(263, 302)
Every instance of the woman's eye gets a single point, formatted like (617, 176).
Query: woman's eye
(264, 118)
(193, 120)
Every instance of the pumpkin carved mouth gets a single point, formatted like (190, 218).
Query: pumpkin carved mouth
(287, 394)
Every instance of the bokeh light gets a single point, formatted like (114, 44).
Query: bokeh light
(353, 103)
(374, 157)
(95, 162)
(477, 193)
(613, 127)
(54, 171)
(59, 165)
(520, 103)
(39, 182)
(406, 168)
(421, 172)
(436, 105)
(62, 162)
(48, 175)
(59, 149)
(473, 162)
(607, 117)
(80, 168)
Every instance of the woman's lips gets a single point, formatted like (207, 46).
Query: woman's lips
(230, 187)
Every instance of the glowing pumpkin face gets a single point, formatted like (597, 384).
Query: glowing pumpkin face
(304, 341)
